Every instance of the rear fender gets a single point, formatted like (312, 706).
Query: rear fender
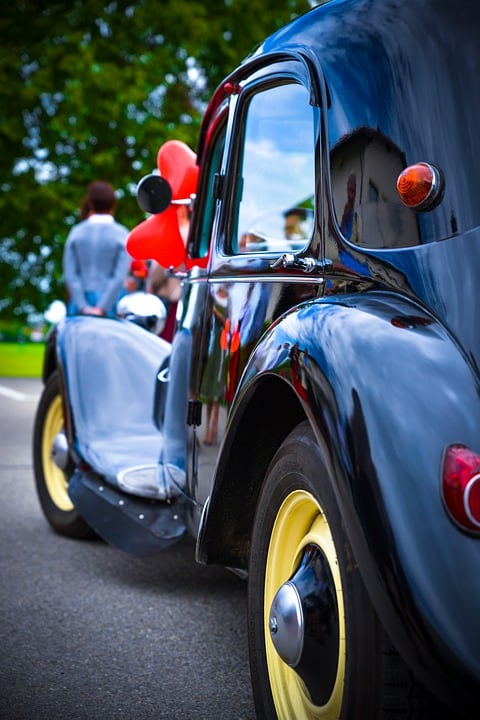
(386, 389)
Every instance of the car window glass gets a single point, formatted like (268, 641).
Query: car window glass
(275, 194)
(213, 161)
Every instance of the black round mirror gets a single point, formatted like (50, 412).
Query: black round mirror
(154, 194)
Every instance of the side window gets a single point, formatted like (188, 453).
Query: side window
(275, 193)
(217, 144)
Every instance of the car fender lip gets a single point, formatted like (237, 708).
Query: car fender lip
(379, 498)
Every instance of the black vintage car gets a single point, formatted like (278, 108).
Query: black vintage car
(329, 331)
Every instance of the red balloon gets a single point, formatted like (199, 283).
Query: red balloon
(188, 186)
(178, 164)
(158, 238)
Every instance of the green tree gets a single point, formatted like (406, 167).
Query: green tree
(91, 89)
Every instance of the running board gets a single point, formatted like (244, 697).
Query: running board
(138, 526)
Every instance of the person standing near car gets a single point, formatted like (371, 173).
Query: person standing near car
(95, 260)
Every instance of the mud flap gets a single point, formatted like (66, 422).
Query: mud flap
(137, 526)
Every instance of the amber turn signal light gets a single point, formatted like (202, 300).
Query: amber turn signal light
(420, 186)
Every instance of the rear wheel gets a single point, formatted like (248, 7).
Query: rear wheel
(317, 649)
(50, 479)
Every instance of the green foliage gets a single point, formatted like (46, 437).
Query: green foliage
(89, 90)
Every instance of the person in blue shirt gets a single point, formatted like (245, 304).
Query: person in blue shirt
(95, 260)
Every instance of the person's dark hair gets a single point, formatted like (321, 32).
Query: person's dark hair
(299, 211)
(101, 197)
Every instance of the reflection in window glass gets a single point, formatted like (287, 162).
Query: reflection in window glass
(209, 205)
(277, 188)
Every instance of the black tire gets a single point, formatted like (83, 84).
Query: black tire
(51, 482)
(362, 678)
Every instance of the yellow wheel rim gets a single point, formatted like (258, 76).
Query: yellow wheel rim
(55, 479)
(300, 521)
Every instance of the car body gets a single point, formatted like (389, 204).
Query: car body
(377, 347)
(359, 335)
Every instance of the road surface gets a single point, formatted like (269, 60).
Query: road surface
(87, 632)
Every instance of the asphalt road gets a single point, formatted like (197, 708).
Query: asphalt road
(87, 632)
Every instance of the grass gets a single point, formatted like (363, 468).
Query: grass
(21, 359)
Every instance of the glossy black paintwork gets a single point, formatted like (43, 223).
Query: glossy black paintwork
(382, 353)
(409, 71)
(386, 425)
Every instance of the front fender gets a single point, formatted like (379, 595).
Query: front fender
(109, 370)
(387, 389)
(50, 360)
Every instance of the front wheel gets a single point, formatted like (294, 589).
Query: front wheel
(317, 649)
(51, 480)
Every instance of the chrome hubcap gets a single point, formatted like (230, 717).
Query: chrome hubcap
(60, 454)
(286, 624)
(304, 624)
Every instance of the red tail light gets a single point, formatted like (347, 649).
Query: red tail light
(461, 486)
